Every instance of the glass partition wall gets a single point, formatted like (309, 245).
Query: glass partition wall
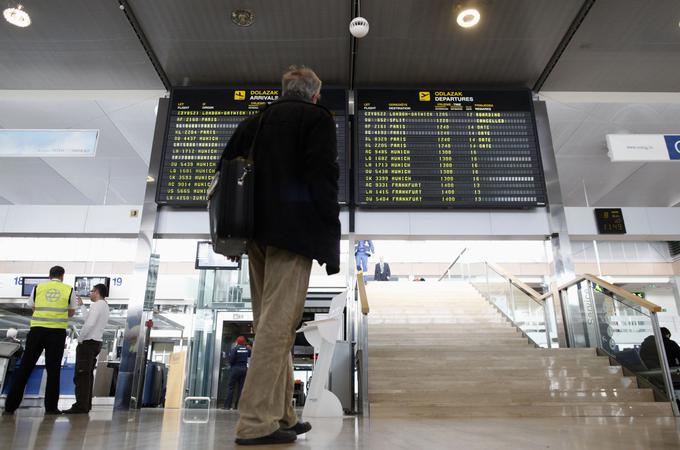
(624, 330)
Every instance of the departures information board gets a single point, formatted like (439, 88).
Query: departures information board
(447, 148)
(200, 124)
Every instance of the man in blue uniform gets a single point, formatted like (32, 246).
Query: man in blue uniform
(238, 362)
(362, 251)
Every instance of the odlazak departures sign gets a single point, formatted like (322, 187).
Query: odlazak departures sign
(447, 148)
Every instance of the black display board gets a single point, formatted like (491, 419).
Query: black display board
(447, 148)
(200, 123)
(610, 221)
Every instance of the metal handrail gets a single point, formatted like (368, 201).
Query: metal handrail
(651, 307)
(538, 298)
(452, 264)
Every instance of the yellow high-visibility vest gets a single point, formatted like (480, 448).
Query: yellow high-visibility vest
(51, 305)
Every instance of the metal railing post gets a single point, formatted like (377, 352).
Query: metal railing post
(546, 318)
(663, 363)
(512, 302)
(365, 405)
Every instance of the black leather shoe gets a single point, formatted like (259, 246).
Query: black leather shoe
(55, 412)
(299, 428)
(74, 411)
(277, 437)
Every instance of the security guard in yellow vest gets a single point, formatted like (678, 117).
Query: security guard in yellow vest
(53, 302)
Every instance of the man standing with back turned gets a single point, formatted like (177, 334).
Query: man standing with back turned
(53, 303)
(296, 221)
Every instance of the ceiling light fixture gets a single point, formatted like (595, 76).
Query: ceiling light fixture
(242, 17)
(150, 179)
(468, 18)
(17, 16)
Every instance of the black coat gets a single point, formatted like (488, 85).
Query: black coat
(296, 178)
(650, 356)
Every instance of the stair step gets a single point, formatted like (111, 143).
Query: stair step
(497, 363)
(581, 409)
(484, 351)
(470, 373)
(407, 397)
(496, 384)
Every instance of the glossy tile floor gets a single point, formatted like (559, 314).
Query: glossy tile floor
(169, 430)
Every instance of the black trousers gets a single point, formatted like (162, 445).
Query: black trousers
(52, 341)
(86, 362)
(237, 377)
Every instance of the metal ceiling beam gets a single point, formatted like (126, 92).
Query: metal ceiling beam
(353, 46)
(129, 13)
(562, 46)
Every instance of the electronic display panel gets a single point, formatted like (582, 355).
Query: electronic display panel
(610, 221)
(447, 148)
(83, 285)
(29, 283)
(202, 120)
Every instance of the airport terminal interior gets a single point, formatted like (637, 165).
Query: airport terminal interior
(509, 197)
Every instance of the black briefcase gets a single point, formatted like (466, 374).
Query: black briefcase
(231, 200)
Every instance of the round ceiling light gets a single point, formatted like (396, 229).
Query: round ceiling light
(242, 17)
(468, 18)
(17, 16)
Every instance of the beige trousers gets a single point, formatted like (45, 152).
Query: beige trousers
(278, 284)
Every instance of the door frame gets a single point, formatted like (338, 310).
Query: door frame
(223, 316)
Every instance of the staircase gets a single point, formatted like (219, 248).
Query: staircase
(441, 350)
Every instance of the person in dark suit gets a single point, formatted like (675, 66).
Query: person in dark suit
(238, 369)
(382, 271)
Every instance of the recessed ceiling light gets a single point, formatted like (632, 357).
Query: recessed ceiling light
(468, 18)
(17, 16)
(242, 17)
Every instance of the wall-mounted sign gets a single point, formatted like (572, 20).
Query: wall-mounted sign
(610, 221)
(643, 147)
(48, 143)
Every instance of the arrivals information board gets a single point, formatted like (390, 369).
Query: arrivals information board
(447, 148)
(200, 124)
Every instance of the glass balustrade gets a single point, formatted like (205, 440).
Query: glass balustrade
(599, 318)
(526, 313)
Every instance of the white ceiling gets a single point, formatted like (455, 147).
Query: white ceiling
(116, 175)
(579, 124)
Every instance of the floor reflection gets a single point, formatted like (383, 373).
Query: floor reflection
(202, 429)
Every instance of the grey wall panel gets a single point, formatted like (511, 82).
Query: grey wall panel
(177, 223)
(75, 220)
(112, 220)
(74, 44)
(4, 210)
(45, 219)
(197, 43)
(452, 224)
(623, 45)
(416, 43)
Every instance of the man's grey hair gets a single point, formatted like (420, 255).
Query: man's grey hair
(300, 81)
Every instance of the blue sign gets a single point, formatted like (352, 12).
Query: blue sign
(673, 145)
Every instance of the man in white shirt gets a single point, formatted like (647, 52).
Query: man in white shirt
(89, 345)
